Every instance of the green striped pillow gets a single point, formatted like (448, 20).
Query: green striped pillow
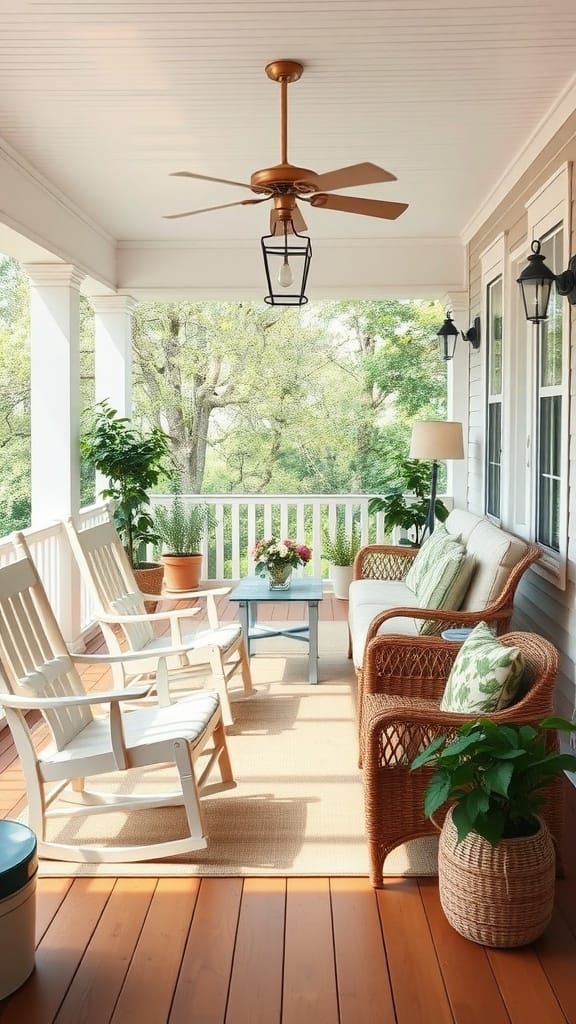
(427, 554)
(446, 584)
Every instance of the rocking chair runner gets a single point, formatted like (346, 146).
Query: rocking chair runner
(123, 618)
(38, 673)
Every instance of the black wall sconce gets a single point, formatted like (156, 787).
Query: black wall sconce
(536, 282)
(449, 334)
(287, 264)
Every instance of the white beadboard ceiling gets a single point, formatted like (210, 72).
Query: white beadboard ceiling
(104, 98)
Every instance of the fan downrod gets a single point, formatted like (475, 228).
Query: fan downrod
(284, 70)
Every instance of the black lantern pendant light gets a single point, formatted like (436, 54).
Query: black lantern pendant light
(286, 262)
(536, 282)
(448, 334)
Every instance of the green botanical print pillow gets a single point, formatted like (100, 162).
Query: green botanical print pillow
(485, 677)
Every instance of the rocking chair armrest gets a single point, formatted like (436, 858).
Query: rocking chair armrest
(119, 618)
(189, 595)
(10, 700)
(129, 656)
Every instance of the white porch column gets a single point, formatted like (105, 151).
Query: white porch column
(458, 395)
(55, 416)
(113, 350)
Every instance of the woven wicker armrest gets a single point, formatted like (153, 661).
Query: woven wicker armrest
(383, 562)
(494, 615)
(408, 666)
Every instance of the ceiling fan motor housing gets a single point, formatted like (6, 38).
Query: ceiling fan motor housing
(283, 178)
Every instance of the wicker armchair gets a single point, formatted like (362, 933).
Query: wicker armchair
(388, 562)
(404, 682)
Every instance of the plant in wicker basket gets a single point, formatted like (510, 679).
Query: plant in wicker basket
(496, 862)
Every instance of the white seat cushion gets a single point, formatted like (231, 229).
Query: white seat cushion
(150, 727)
(367, 599)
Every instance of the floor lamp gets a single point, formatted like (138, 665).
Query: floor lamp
(433, 440)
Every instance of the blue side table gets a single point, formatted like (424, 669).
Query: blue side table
(254, 590)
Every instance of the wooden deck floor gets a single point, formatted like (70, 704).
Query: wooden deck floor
(280, 950)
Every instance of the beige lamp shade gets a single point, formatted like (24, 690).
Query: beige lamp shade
(437, 439)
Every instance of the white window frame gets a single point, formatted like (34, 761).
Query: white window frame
(492, 267)
(547, 210)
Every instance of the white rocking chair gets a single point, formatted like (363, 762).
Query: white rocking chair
(120, 610)
(38, 673)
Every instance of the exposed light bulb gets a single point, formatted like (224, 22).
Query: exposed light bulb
(285, 275)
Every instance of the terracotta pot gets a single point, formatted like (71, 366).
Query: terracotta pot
(182, 572)
(497, 895)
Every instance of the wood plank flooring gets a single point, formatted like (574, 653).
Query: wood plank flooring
(279, 950)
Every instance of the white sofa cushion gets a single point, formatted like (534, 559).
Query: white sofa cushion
(496, 553)
(367, 598)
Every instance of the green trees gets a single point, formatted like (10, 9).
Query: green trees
(254, 399)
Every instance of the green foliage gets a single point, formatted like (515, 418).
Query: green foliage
(404, 511)
(342, 547)
(181, 528)
(133, 461)
(494, 774)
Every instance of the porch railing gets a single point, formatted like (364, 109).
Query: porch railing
(241, 520)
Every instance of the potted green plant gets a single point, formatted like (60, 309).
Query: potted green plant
(133, 460)
(406, 505)
(340, 549)
(496, 862)
(180, 530)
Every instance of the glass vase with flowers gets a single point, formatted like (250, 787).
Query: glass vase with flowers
(277, 558)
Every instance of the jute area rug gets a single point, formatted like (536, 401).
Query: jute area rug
(297, 808)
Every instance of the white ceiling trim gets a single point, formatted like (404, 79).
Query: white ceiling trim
(552, 122)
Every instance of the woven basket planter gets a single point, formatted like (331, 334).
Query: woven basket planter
(496, 895)
(149, 579)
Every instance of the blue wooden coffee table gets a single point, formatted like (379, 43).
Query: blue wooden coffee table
(253, 591)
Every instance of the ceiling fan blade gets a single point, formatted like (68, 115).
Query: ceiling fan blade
(206, 177)
(352, 204)
(349, 177)
(208, 209)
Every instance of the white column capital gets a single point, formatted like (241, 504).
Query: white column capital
(54, 275)
(112, 303)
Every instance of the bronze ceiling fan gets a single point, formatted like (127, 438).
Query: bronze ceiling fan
(286, 184)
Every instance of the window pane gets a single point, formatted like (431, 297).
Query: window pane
(551, 331)
(494, 456)
(494, 296)
(549, 465)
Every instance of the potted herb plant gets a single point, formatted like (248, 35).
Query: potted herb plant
(406, 505)
(341, 548)
(133, 460)
(180, 530)
(496, 862)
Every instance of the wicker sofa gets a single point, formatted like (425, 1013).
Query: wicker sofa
(380, 602)
(404, 682)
